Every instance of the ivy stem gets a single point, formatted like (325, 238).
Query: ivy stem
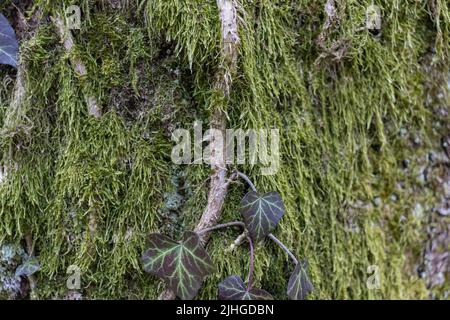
(222, 226)
(282, 246)
(252, 261)
(247, 179)
(271, 236)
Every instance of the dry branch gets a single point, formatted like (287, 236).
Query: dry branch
(218, 181)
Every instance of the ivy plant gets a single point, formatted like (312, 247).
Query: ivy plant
(9, 46)
(184, 264)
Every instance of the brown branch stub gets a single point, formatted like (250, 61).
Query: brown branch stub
(68, 43)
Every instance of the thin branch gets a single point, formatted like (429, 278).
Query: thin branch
(252, 264)
(223, 80)
(218, 188)
(282, 246)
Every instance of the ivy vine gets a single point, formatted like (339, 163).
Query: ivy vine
(184, 264)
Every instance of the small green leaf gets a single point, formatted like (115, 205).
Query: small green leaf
(29, 267)
(183, 265)
(9, 46)
(261, 213)
(233, 288)
(299, 284)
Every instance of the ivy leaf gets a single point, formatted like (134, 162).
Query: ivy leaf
(299, 284)
(261, 213)
(233, 288)
(183, 265)
(29, 267)
(8, 43)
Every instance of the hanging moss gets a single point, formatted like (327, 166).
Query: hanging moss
(348, 110)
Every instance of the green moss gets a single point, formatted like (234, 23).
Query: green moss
(151, 66)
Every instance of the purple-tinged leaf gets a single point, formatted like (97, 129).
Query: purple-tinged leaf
(29, 267)
(9, 46)
(299, 284)
(261, 213)
(233, 288)
(183, 265)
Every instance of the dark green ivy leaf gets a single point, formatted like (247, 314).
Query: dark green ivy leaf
(299, 284)
(8, 43)
(233, 288)
(261, 213)
(29, 267)
(183, 265)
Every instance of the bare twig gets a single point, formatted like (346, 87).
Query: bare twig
(219, 182)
